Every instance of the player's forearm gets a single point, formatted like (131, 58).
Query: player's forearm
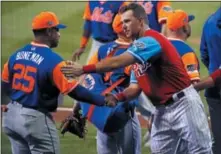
(82, 94)
(207, 83)
(86, 33)
(110, 64)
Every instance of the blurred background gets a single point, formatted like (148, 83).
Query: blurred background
(16, 32)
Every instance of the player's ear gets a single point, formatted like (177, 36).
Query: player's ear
(48, 31)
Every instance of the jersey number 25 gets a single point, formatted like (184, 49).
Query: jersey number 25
(23, 75)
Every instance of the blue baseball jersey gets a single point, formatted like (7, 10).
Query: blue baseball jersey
(108, 50)
(188, 57)
(99, 16)
(154, 12)
(34, 77)
(210, 47)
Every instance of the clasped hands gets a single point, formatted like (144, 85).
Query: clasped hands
(72, 69)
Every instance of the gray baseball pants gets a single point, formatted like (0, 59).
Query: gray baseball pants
(30, 131)
(181, 127)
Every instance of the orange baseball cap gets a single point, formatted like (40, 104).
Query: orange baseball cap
(46, 20)
(117, 24)
(178, 19)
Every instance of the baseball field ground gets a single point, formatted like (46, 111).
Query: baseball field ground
(16, 32)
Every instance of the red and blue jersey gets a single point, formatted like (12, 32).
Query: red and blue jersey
(188, 57)
(99, 16)
(160, 72)
(34, 77)
(154, 12)
(108, 50)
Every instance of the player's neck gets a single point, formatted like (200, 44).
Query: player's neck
(143, 30)
(177, 37)
(41, 40)
(123, 40)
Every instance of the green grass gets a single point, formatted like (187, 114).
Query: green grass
(70, 144)
(16, 32)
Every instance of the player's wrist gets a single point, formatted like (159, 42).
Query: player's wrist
(89, 68)
(120, 97)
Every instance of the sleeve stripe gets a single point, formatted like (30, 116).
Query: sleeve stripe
(136, 56)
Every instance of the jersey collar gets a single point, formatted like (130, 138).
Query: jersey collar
(175, 39)
(39, 44)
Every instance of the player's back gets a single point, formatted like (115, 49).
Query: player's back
(101, 15)
(31, 76)
(188, 57)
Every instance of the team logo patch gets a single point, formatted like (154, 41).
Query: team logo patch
(167, 8)
(191, 68)
(50, 23)
(139, 45)
(89, 82)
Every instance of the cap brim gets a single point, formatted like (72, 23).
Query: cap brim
(191, 17)
(61, 26)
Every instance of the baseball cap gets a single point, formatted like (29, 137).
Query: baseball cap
(178, 19)
(117, 24)
(46, 20)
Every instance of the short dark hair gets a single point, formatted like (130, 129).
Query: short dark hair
(138, 11)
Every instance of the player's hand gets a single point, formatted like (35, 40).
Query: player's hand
(72, 69)
(77, 53)
(110, 100)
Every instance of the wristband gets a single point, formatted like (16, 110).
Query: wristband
(121, 97)
(216, 76)
(89, 68)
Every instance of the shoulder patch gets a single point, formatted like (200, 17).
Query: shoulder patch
(140, 45)
(167, 8)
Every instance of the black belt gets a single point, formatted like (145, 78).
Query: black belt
(171, 99)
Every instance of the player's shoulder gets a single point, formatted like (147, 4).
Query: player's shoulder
(104, 49)
(23, 48)
(181, 46)
(144, 42)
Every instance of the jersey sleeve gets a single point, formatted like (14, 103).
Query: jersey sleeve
(191, 64)
(144, 48)
(5, 73)
(62, 83)
(163, 10)
(216, 76)
(203, 48)
(94, 58)
(133, 77)
(87, 12)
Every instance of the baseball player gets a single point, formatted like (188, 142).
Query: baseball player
(178, 31)
(127, 140)
(179, 121)
(32, 79)
(98, 18)
(211, 57)
(213, 80)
